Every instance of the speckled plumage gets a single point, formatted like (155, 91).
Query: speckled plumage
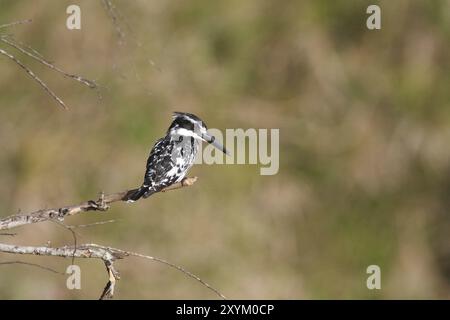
(172, 156)
(169, 162)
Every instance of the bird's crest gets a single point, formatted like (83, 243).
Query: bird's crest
(187, 116)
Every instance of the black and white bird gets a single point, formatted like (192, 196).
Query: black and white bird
(173, 155)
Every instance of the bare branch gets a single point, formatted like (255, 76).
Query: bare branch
(107, 254)
(35, 78)
(90, 224)
(27, 50)
(179, 268)
(74, 236)
(59, 214)
(115, 17)
(108, 291)
(33, 265)
(33, 54)
(7, 25)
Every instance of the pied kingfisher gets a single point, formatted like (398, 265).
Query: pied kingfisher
(172, 156)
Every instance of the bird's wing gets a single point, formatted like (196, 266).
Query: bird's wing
(159, 163)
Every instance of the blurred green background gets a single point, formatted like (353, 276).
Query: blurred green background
(364, 121)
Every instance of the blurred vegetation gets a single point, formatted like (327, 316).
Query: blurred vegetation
(364, 123)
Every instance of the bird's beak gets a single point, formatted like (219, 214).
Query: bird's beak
(212, 140)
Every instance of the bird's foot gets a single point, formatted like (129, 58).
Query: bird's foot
(188, 181)
(100, 204)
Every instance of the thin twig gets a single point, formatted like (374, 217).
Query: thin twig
(179, 268)
(74, 236)
(23, 46)
(35, 77)
(32, 264)
(115, 17)
(29, 51)
(90, 224)
(7, 25)
(15, 44)
(108, 291)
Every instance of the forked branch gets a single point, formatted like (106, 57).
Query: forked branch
(59, 214)
(9, 41)
(107, 254)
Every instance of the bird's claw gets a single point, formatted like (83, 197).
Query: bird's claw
(188, 181)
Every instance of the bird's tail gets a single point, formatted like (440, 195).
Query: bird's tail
(134, 195)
